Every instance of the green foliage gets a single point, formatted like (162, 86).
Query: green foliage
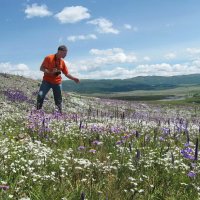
(103, 149)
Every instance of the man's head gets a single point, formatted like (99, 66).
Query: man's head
(62, 51)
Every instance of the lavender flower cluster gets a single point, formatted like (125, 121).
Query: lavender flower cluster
(15, 95)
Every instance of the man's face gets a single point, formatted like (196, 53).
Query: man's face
(63, 53)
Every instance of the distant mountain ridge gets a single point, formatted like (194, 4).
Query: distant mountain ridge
(88, 86)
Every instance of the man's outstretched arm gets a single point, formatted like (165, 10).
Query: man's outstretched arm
(69, 76)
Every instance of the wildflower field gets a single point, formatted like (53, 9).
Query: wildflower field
(98, 149)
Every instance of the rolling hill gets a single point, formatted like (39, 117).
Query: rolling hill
(89, 86)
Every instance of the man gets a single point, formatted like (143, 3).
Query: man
(52, 66)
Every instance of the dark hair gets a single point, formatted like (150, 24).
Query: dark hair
(62, 48)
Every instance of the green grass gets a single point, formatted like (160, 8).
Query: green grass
(132, 150)
(48, 165)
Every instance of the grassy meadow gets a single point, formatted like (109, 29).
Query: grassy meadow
(98, 149)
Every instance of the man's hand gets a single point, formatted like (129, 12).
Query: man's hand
(55, 72)
(51, 73)
(47, 71)
(76, 80)
(73, 78)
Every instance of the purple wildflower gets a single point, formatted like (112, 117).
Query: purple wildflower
(126, 136)
(161, 139)
(4, 187)
(188, 153)
(15, 95)
(186, 144)
(119, 142)
(92, 151)
(166, 131)
(115, 130)
(81, 148)
(97, 128)
(191, 174)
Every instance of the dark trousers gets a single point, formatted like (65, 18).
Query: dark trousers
(44, 89)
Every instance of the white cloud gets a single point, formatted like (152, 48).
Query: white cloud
(135, 28)
(112, 56)
(74, 38)
(165, 69)
(193, 51)
(22, 67)
(170, 56)
(105, 52)
(162, 69)
(19, 69)
(196, 63)
(117, 73)
(154, 68)
(103, 25)
(73, 14)
(105, 57)
(37, 11)
(127, 26)
(147, 58)
(102, 58)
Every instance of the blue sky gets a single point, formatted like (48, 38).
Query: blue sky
(106, 39)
